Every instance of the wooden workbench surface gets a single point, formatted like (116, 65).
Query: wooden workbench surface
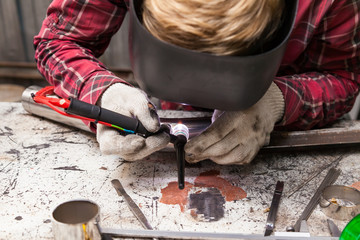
(43, 164)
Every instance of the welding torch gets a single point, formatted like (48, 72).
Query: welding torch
(179, 136)
(78, 109)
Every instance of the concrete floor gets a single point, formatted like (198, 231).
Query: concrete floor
(44, 163)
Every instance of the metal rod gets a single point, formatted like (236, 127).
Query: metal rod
(132, 205)
(329, 179)
(270, 222)
(129, 233)
(180, 158)
(334, 230)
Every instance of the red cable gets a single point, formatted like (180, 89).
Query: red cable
(54, 103)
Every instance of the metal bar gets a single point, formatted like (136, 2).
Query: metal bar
(319, 137)
(130, 233)
(329, 179)
(322, 168)
(132, 205)
(270, 222)
(334, 230)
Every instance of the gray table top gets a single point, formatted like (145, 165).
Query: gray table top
(43, 164)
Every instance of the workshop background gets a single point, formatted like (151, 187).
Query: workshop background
(20, 21)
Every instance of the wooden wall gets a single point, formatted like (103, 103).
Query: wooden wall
(20, 20)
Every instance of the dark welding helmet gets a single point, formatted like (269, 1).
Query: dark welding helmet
(176, 74)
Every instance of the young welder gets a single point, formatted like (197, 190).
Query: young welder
(260, 63)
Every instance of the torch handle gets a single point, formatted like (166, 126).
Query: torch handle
(117, 120)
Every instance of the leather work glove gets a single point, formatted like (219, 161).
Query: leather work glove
(235, 137)
(132, 102)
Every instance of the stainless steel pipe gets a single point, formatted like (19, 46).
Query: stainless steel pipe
(195, 121)
(44, 111)
(77, 220)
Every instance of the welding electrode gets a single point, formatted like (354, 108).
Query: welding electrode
(117, 120)
(179, 136)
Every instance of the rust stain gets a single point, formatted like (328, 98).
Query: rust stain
(212, 179)
(356, 185)
(173, 195)
(193, 213)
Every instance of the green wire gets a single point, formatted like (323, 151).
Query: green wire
(122, 129)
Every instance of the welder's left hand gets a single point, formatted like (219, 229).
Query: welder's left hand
(132, 102)
(235, 137)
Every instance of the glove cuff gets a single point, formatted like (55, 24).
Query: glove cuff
(275, 101)
(111, 91)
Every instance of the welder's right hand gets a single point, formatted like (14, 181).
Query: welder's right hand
(235, 137)
(131, 102)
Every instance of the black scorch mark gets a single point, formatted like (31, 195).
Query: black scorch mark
(37, 146)
(70, 168)
(8, 131)
(13, 151)
(207, 206)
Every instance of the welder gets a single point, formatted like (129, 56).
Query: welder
(258, 64)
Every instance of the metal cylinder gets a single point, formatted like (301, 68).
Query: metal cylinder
(340, 202)
(196, 122)
(46, 112)
(77, 220)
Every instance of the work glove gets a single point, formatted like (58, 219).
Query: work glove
(235, 137)
(131, 102)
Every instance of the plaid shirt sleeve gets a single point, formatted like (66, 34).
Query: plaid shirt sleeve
(319, 73)
(73, 34)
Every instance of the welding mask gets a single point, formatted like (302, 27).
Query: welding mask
(176, 74)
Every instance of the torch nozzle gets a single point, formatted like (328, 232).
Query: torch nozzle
(180, 130)
(179, 136)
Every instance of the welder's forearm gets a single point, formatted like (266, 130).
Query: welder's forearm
(315, 99)
(67, 57)
(73, 70)
(65, 66)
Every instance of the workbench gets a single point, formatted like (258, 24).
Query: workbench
(44, 163)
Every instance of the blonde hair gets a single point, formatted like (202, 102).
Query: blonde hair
(221, 27)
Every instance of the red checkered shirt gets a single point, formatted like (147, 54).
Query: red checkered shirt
(318, 75)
